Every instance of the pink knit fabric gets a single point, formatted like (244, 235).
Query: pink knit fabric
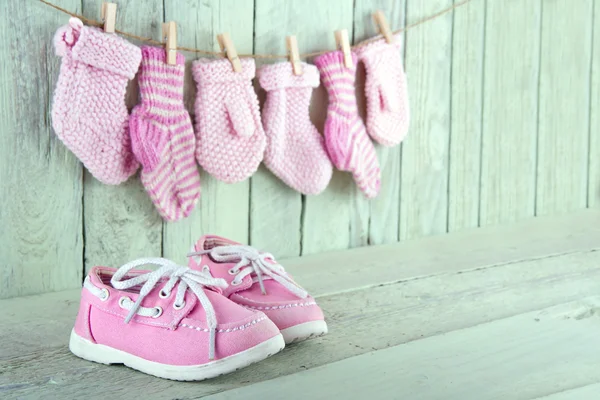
(346, 138)
(162, 137)
(89, 113)
(386, 92)
(295, 149)
(231, 140)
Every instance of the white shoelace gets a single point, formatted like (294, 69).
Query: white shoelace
(252, 262)
(187, 279)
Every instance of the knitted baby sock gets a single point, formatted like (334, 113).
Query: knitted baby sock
(89, 113)
(295, 149)
(386, 92)
(162, 136)
(231, 140)
(346, 138)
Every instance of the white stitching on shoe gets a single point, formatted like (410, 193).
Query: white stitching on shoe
(309, 303)
(241, 327)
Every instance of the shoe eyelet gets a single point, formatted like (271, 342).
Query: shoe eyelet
(235, 283)
(104, 295)
(206, 268)
(232, 271)
(163, 295)
(122, 301)
(179, 306)
(159, 312)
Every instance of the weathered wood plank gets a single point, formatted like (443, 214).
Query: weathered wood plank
(121, 222)
(222, 209)
(510, 94)
(275, 207)
(424, 187)
(328, 214)
(563, 133)
(588, 392)
(41, 201)
(378, 221)
(389, 315)
(527, 355)
(594, 158)
(467, 107)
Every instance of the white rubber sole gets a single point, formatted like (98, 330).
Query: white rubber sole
(107, 355)
(307, 330)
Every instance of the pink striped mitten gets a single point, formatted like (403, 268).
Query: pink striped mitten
(295, 149)
(89, 113)
(386, 92)
(231, 140)
(346, 138)
(162, 136)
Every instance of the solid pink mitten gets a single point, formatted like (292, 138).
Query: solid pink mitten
(295, 150)
(231, 140)
(386, 92)
(162, 136)
(89, 113)
(346, 138)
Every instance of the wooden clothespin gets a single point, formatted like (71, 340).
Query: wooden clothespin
(170, 34)
(109, 16)
(384, 28)
(341, 38)
(292, 45)
(228, 48)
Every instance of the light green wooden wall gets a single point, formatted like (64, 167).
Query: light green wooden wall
(505, 114)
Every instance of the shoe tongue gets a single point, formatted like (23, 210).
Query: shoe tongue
(209, 242)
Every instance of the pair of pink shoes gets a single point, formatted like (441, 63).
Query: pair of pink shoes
(233, 306)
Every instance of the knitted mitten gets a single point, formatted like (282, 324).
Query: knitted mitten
(162, 136)
(386, 92)
(231, 140)
(346, 138)
(295, 149)
(89, 113)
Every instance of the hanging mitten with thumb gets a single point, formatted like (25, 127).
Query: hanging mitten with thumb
(231, 139)
(386, 92)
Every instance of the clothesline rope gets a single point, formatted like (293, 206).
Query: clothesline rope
(93, 22)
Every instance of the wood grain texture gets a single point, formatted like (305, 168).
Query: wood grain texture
(564, 106)
(222, 209)
(594, 157)
(467, 104)
(378, 222)
(510, 95)
(326, 217)
(275, 207)
(390, 315)
(528, 355)
(424, 187)
(120, 222)
(40, 180)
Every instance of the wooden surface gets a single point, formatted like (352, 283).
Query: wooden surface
(505, 122)
(522, 314)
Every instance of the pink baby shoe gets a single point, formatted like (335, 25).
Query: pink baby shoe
(89, 113)
(172, 322)
(257, 282)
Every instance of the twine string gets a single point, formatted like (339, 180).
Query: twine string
(99, 24)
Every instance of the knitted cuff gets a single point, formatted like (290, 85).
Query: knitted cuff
(215, 71)
(98, 49)
(281, 76)
(333, 62)
(159, 81)
(378, 46)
